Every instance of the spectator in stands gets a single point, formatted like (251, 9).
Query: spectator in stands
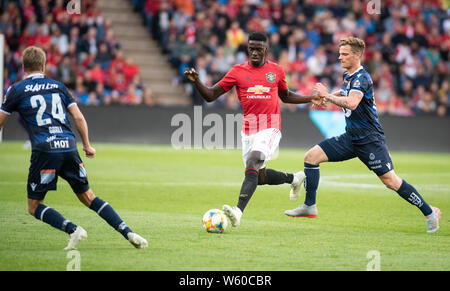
(65, 73)
(410, 43)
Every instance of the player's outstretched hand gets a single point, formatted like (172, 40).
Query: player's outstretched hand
(321, 89)
(90, 152)
(318, 100)
(191, 74)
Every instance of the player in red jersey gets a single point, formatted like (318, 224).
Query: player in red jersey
(259, 85)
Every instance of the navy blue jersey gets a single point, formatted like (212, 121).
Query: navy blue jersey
(362, 123)
(42, 103)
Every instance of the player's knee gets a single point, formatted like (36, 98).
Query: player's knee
(389, 184)
(87, 197)
(254, 161)
(392, 183)
(32, 208)
(312, 156)
(391, 180)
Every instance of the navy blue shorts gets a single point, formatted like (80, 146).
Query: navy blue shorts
(45, 169)
(375, 154)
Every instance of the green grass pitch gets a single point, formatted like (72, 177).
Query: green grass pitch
(162, 193)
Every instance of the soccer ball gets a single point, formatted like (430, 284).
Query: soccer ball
(215, 221)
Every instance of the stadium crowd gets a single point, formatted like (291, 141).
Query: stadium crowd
(82, 51)
(407, 44)
(407, 53)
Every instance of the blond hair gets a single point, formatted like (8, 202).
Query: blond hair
(357, 45)
(33, 59)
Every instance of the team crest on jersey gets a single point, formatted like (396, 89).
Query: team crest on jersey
(356, 84)
(270, 77)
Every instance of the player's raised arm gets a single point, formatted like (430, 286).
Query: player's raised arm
(208, 93)
(81, 125)
(288, 96)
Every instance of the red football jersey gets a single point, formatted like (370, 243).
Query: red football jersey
(257, 90)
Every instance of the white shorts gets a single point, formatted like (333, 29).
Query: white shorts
(265, 141)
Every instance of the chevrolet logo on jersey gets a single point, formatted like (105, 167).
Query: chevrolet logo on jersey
(258, 89)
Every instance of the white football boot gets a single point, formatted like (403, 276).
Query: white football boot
(303, 211)
(137, 241)
(75, 238)
(296, 185)
(234, 215)
(433, 220)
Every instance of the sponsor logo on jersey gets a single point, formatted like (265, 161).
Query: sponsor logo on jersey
(39, 87)
(55, 129)
(59, 143)
(258, 89)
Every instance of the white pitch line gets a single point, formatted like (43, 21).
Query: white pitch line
(324, 182)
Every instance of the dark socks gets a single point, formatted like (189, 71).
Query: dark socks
(410, 194)
(54, 218)
(276, 178)
(105, 211)
(248, 187)
(312, 173)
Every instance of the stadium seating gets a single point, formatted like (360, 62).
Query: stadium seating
(407, 50)
(82, 51)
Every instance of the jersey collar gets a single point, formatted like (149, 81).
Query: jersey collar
(357, 70)
(35, 75)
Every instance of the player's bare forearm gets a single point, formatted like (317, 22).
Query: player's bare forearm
(349, 102)
(80, 124)
(209, 94)
(294, 98)
(82, 129)
(339, 101)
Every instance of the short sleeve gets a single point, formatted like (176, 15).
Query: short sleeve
(229, 80)
(282, 85)
(68, 98)
(11, 101)
(361, 84)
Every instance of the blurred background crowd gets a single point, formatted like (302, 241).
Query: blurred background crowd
(407, 43)
(407, 46)
(82, 51)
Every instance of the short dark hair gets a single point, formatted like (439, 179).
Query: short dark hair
(258, 36)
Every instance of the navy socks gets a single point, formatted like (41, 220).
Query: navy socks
(312, 173)
(105, 211)
(54, 218)
(410, 194)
